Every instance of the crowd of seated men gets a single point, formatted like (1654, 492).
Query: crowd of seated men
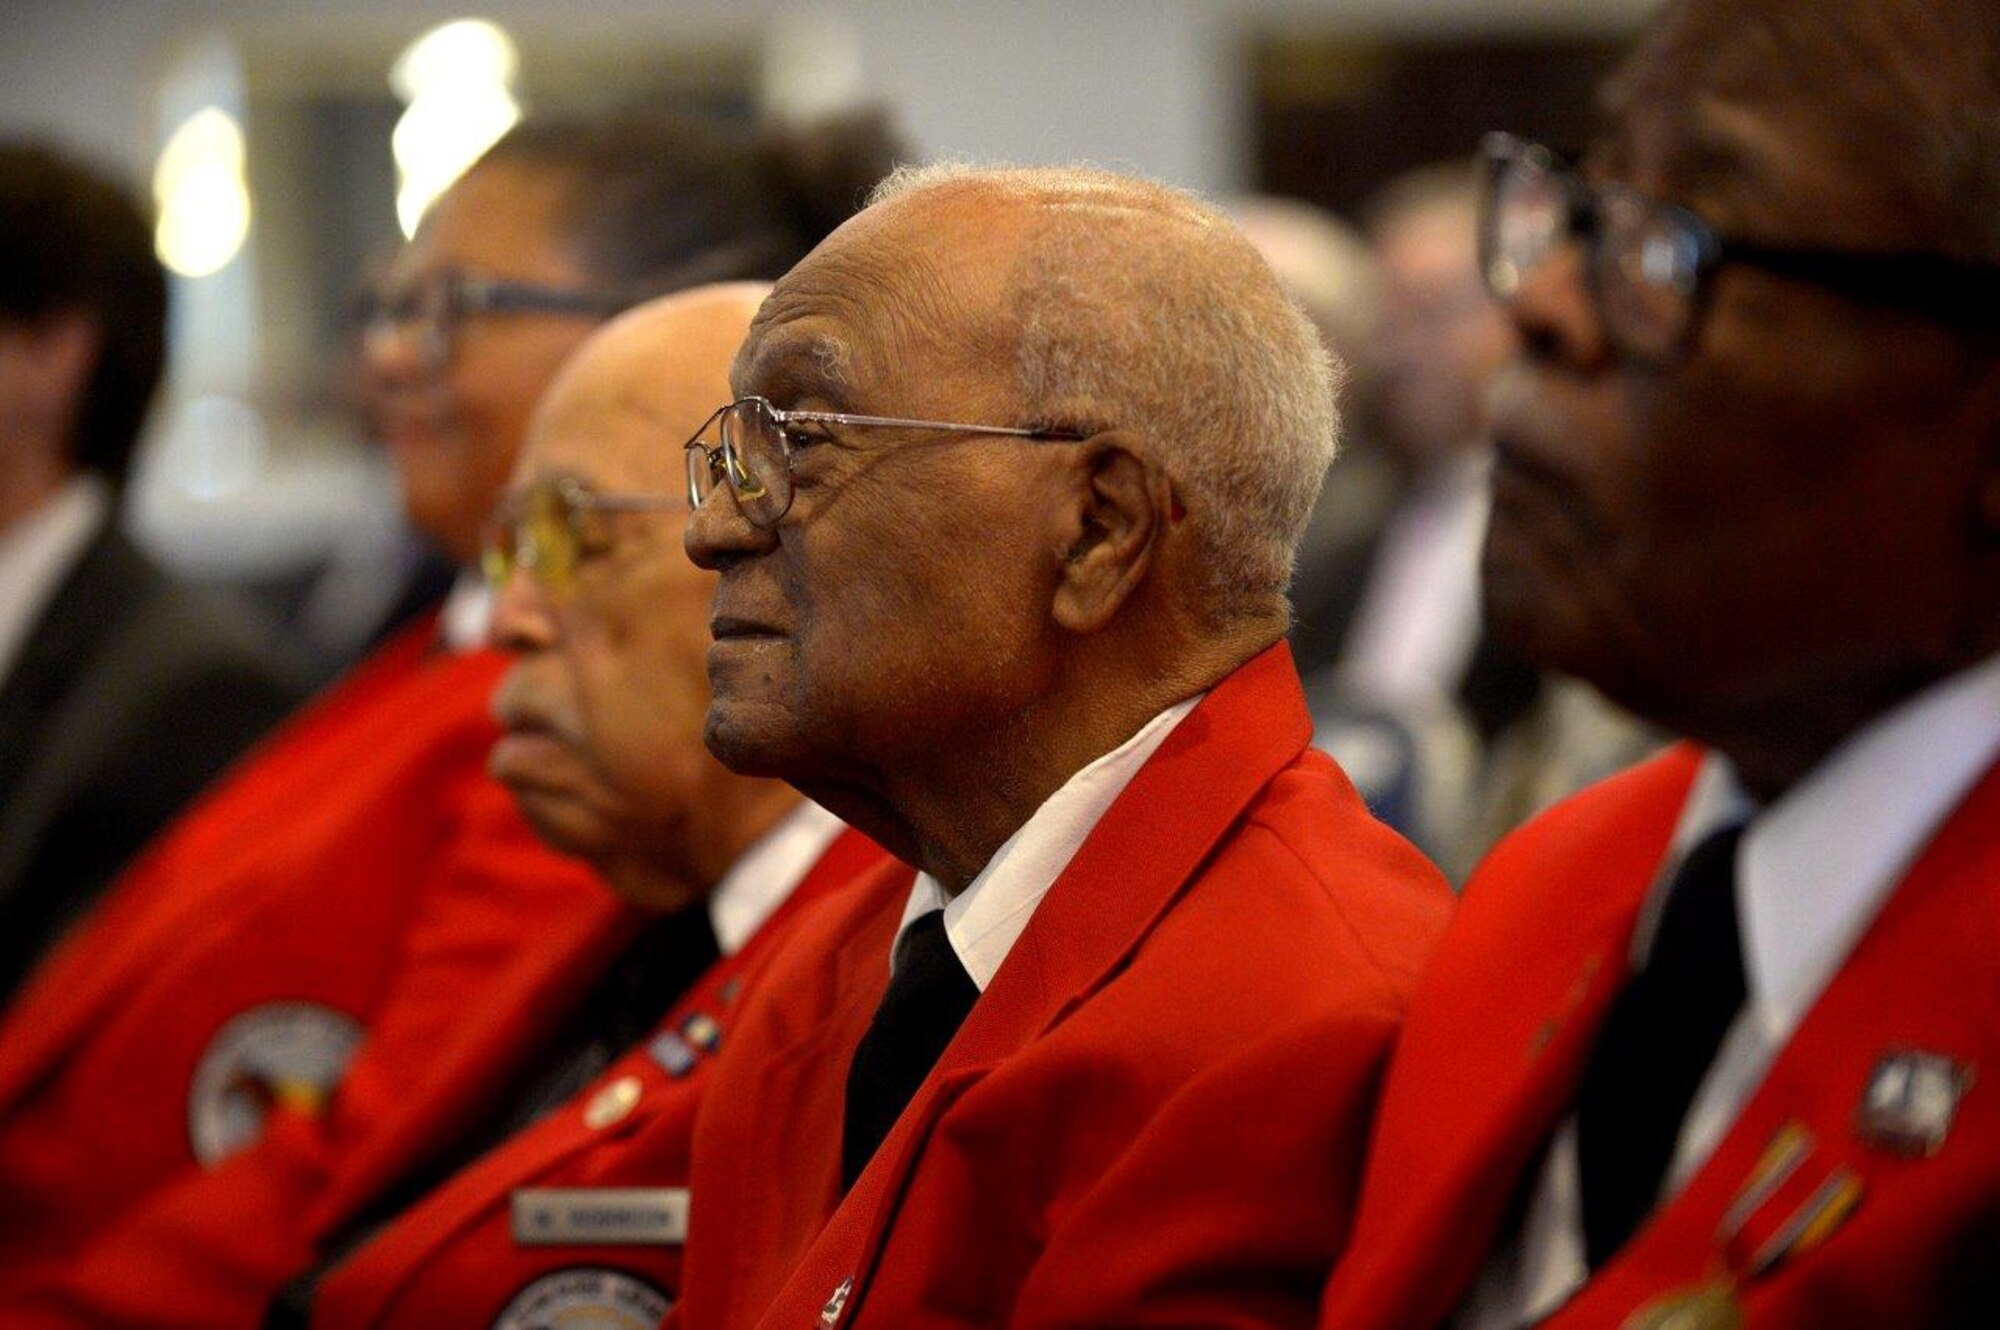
(856, 845)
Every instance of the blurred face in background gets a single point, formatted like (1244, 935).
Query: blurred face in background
(1440, 337)
(1778, 517)
(608, 620)
(452, 396)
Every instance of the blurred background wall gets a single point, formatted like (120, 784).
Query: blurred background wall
(264, 130)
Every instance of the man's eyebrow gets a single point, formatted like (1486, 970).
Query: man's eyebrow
(830, 358)
(801, 368)
(1708, 163)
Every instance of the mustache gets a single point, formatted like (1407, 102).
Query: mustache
(519, 706)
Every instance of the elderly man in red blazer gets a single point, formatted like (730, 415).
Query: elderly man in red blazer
(557, 1081)
(350, 959)
(581, 1214)
(1003, 515)
(1714, 1043)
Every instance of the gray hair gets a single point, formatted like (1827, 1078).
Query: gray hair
(1137, 306)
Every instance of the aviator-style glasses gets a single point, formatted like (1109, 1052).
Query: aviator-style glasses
(550, 527)
(753, 443)
(434, 308)
(1648, 264)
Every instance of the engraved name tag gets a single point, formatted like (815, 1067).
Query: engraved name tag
(600, 1216)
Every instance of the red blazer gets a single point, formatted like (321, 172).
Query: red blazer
(1154, 1114)
(233, 970)
(454, 1260)
(1495, 1043)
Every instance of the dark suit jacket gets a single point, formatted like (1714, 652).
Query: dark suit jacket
(129, 694)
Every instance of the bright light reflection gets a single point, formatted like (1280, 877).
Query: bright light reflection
(203, 199)
(458, 81)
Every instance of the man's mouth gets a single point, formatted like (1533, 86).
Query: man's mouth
(730, 628)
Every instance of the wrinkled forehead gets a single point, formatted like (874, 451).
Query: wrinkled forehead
(900, 294)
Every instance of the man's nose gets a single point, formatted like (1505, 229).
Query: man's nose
(398, 351)
(1556, 313)
(522, 621)
(718, 533)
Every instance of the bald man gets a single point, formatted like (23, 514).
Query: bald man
(603, 709)
(568, 1055)
(1004, 513)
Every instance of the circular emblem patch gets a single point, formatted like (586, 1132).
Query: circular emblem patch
(290, 1053)
(585, 1298)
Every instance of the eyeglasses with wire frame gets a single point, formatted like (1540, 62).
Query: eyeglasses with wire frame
(754, 445)
(549, 528)
(1648, 264)
(435, 307)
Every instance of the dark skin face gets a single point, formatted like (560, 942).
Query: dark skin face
(900, 594)
(453, 430)
(933, 638)
(1769, 540)
(602, 709)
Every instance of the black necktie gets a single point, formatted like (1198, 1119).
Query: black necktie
(927, 999)
(1657, 1043)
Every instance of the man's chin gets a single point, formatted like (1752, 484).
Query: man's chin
(745, 739)
(564, 823)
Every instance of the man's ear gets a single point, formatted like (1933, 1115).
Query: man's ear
(1125, 503)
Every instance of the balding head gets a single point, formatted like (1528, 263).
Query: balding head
(1107, 427)
(603, 707)
(1138, 307)
(667, 362)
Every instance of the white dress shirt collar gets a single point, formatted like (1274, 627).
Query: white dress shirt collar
(1813, 871)
(985, 920)
(1816, 866)
(467, 613)
(37, 553)
(767, 873)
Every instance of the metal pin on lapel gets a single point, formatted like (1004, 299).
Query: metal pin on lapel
(1911, 1099)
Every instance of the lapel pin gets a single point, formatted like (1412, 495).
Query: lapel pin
(702, 1031)
(1911, 1099)
(613, 1104)
(672, 1054)
(830, 1314)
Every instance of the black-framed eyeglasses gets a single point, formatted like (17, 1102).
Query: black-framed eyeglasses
(1648, 263)
(550, 527)
(435, 307)
(754, 442)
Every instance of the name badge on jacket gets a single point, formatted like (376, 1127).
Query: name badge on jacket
(600, 1216)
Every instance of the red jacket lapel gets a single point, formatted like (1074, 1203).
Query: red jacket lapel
(1922, 980)
(1249, 728)
(1489, 1057)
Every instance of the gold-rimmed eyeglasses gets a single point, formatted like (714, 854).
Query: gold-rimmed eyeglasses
(548, 528)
